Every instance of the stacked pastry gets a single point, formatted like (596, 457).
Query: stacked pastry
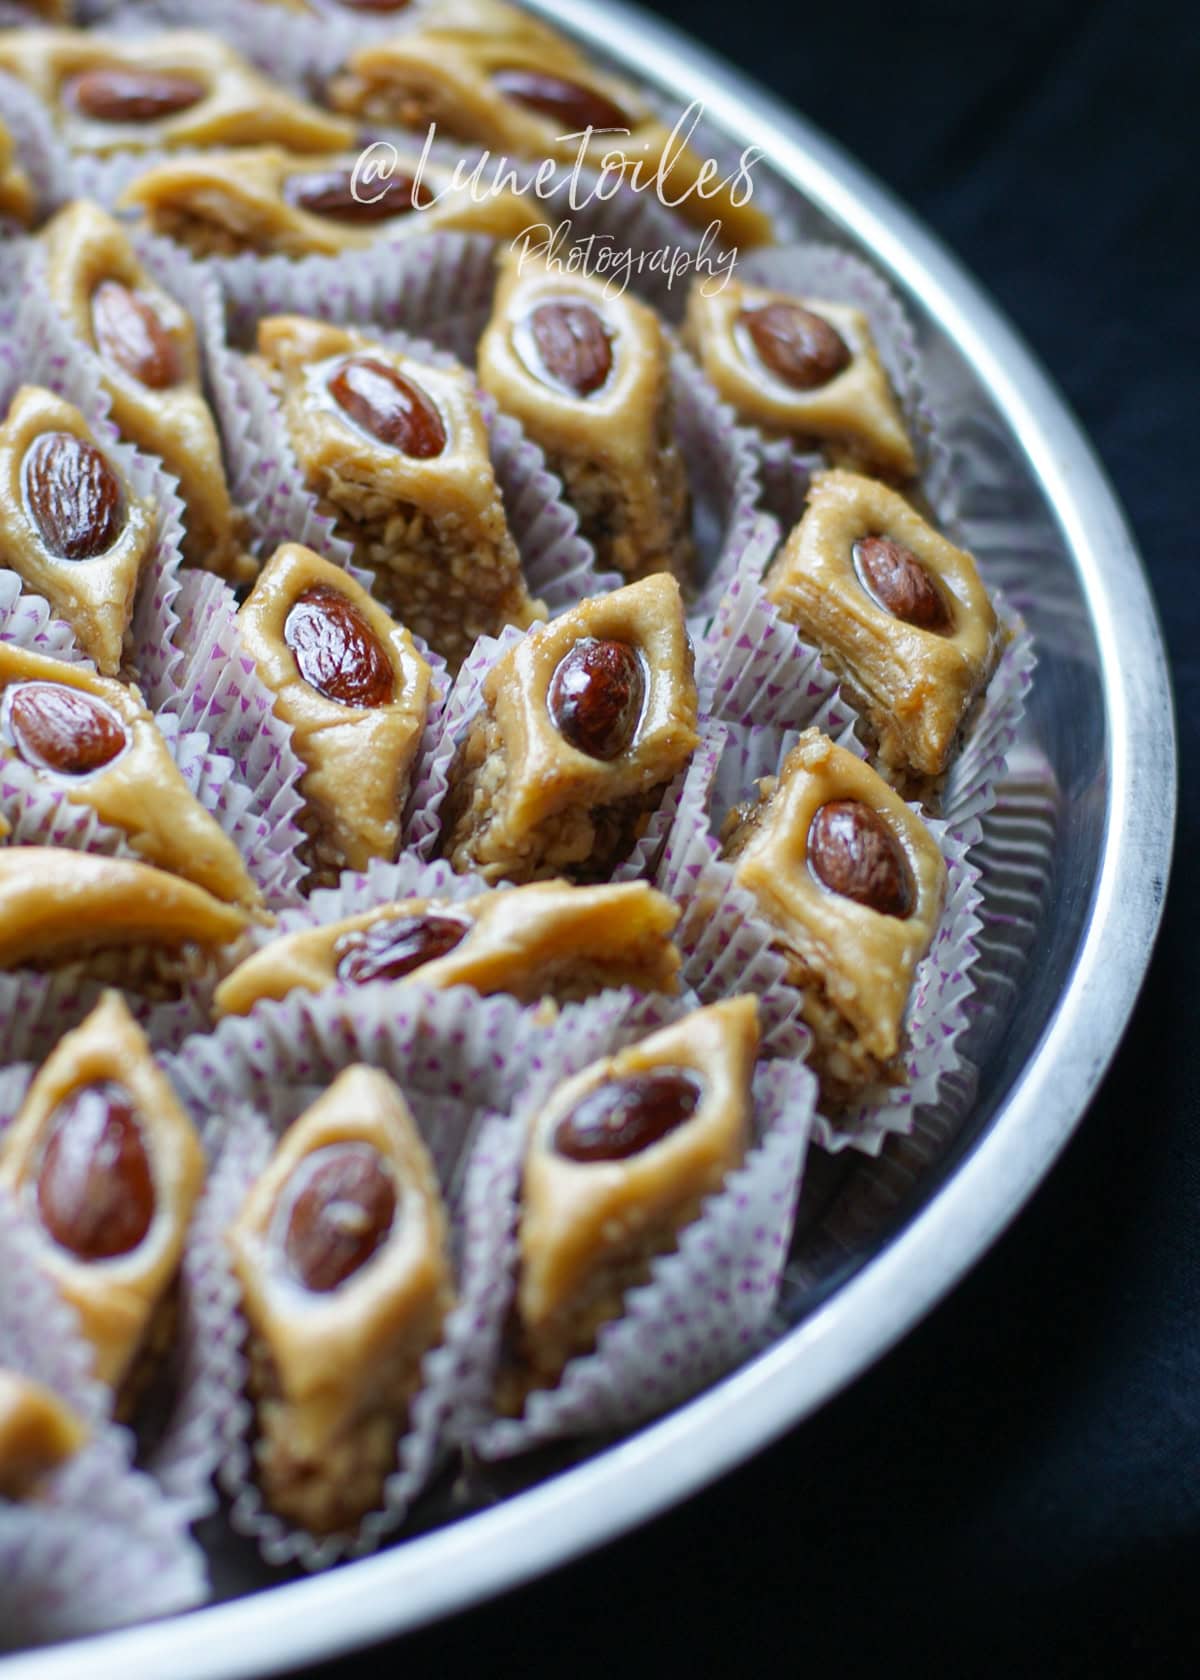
(486, 773)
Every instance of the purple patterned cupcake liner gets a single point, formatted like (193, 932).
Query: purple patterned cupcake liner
(101, 1545)
(704, 1309)
(38, 148)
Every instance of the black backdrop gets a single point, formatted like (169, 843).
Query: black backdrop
(1017, 1488)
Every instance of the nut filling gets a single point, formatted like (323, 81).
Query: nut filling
(339, 1209)
(391, 408)
(61, 729)
(129, 334)
(853, 852)
(624, 1116)
(892, 576)
(133, 96)
(797, 346)
(72, 496)
(596, 697)
(95, 1186)
(336, 651)
(393, 947)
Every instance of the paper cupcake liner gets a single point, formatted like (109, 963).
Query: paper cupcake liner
(27, 621)
(101, 1546)
(706, 1304)
(38, 147)
(37, 1007)
(830, 273)
(52, 357)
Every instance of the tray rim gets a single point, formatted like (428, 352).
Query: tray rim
(529, 1534)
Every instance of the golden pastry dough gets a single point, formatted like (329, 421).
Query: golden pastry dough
(94, 595)
(223, 203)
(854, 964)
(118, 1297)
(546, 940)
(431, 528)
(138, 790)
(590, 1229)
(914, 686)
(854, 417)
(357, 757)
(614, 446)
(39, 1432)
(232, 104)
(525, 804)
(334, 1370)
(86, 249)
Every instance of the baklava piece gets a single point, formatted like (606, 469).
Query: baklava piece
(617, 1164)
(898, 612)
(528, 97)
(150, 369)
(582, 726)
(70, 526)
(852, 883)
(179, 88)
(39, 1433)
(17, 199)
(59, 907)
(341, 1254)
(397, 451)
(354, 692)
(95, 739)
(109, 1167)
(801, 368)
(546, 940)
(588, 376)
(276, 203)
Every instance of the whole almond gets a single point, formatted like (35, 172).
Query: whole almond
(624, 1116)
(72, 495)
(54, 727)
(573, 346)
(893, 575)
(95, 1187)
(330, 193)
(133, 96)
(129, 333)
(596, 695)
(570, 105)
(396, 945)
(796, 345)
(341, 1206)
(390, 407)
(853, 852)
(335, 649)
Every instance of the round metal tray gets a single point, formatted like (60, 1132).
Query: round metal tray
(1078, 854)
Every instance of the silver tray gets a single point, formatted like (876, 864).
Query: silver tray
(1076, 858)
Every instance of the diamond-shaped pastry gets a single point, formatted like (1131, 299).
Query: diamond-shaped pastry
(354, 691)
(853, 884)
(587, 375)
(398, 453)
(582, 726)
(622, 1158)
(275, 202)
(150, 366)
(536, 98)
(176, 88)
(341, 1254)
(70, 526)
(95, 740)
(57, 905)
(109, 1166)
(545, 940)
(17, 197)
(897, 611)
(39, 1432)
(803, 368)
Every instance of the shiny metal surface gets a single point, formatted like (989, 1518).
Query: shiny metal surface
(1078, 855)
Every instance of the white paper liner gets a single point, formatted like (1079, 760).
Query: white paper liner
(101, 1546)
(27, 620)
(37, 1008)
(836, 276)
(706, 1304)
(50, 356)
(38, 147)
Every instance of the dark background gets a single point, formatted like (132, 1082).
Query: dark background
(1017, 1488)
